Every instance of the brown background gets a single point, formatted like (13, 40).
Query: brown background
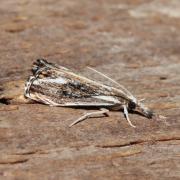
(135, 42)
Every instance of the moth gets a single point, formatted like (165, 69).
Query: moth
(56, 85)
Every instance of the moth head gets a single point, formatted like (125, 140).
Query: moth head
(132, 105)
(141, 108)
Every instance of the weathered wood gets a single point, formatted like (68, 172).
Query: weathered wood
(134, 42)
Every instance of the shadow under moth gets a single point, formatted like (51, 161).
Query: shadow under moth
(56, 85)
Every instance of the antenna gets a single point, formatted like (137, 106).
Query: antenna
(121, 86)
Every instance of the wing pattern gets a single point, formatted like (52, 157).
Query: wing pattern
(58, 86)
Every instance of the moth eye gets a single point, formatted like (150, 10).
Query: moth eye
(131, 105)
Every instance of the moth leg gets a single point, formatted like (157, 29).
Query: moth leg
(127, 117)
(102, 111)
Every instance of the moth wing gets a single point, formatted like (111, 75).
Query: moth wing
(41, 65)
(58, 86)
(62, 92)
(44, 99)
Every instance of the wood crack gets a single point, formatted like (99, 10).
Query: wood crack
(138, 142)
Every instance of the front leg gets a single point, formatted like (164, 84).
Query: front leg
(127, 117)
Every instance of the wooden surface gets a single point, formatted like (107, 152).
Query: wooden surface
(137, 43)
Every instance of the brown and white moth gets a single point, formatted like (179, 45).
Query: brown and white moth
(58, 86)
